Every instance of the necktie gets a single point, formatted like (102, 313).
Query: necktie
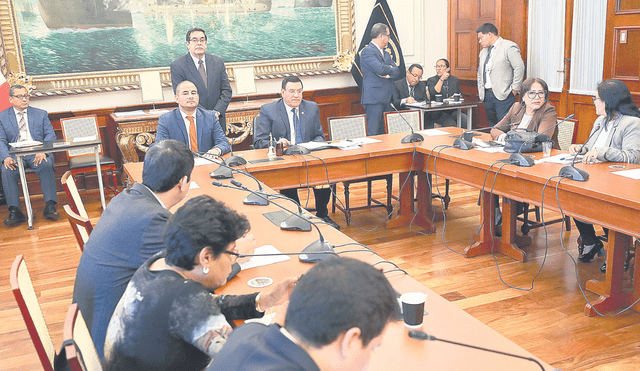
(297, 127)
(203, 73)
(412, 90)
(23, 127)
(486, 61)
(193, 134)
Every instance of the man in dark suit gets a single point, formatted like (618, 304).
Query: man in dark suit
(206, 71)
(20, 123)
(192, 125)
(378, 74)
(292, 120)
(410, 89)
(336, 315)
(128, 233)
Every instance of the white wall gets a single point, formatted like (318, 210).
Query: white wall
(422, 28)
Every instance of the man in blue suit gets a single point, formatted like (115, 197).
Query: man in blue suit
(378, 74)
(192, 125)
(206, 71)
(292, 120)
(17, 124)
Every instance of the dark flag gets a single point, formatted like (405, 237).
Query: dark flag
(380, 14)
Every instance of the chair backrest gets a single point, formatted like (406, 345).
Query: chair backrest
(347, 127)
(81, 226)
(394, 123)
(80, 127)
(566, 133)
(73, 196)
(80, 350)
(27, 300)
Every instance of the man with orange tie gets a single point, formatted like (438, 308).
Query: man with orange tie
(193, 125)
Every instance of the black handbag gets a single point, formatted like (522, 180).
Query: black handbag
(525, 138)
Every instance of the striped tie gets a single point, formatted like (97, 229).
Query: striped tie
(23, 127)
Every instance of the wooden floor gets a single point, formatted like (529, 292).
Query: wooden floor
(546, 320)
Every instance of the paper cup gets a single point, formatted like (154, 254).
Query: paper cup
(413, 308)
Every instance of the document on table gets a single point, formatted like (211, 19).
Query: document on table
(563, 159)
(315, 146)
(433, 132)
(259, 261)
(199, 161)
(633, 173)
(25, 143)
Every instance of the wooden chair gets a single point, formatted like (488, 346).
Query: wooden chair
(78, 345)
(81, 226)
(83, 160)
(566, 135)
(27, 300)
(348, 127)
(73, 196)
(394, 123)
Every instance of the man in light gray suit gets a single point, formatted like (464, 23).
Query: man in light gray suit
(500, 72)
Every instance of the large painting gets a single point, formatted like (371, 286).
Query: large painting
(77, 46)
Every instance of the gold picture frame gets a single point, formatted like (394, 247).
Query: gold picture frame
(12, 61)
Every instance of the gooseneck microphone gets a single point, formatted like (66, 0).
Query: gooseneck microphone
(314, 252)
(421, 335)
(234, 160)
(464, 142)
(410, 138)
(519, 160)
(573, 173)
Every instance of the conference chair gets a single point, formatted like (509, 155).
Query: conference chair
(566, 135)
(78, 345)
(394, 123)
(73, 196)
(349, 127)
(81, 226)
(83, 160)
(27, 300)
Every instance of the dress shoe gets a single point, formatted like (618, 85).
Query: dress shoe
(603, 267)
(50, 212)
(15, 216)
(327, 219)
(588, 256)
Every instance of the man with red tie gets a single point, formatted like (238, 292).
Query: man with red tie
(192, 125)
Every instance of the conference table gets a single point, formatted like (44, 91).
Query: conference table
(444, 320)
(466, 103)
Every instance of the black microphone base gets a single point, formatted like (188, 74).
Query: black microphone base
(235, 161)
(296, 222)
(573, 173)
(519, 160)
(317, 251)
(296, 150)
(221, 173)
(413, 137)
(258, 198)
(463, 144)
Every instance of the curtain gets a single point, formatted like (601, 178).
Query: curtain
(587, 46)
(545, 55)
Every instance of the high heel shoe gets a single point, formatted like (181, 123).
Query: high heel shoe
(587, 257)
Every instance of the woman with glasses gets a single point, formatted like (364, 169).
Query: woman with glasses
(446, 85)
(615, 137)
(168, 318)
(534, 112)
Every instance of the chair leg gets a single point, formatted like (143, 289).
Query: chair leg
(567, 222)
(333, 198)
(115, 182)
(369, 193)
(447, 199)
(389, 190)
(537, 211)
(347, 210)
(525, 225)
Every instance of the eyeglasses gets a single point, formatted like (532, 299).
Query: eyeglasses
(533, 94)
(594, 99)
(234, 255)
(201, 40)
(416, 76)
(386, 34)
(21, 96)
(440, 66)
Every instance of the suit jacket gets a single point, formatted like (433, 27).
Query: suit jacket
(623, 142)
(275, 120)
(545, 117)
(217, 94)
(128, 233)
(377, 89)
(506, 69)
(401, 91)
(39, 126)
(210, 134)
(254, 346)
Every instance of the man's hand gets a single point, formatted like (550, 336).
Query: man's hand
(213, 153)
(217, 114)
(10, 163)
(39, 158)
(411, 100)
(284, 142)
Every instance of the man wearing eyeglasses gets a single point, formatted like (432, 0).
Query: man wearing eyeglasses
(206, 71)
(378, 74)
(500, 72)
(23, 123)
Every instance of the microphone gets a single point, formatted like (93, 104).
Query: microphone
(222, 172)
(296, 150)
(464, 142)
(234, 160)
(410, 138)
(420, 335)
(258, 197)
(314, 252)
(519, 160)
(573, 173)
